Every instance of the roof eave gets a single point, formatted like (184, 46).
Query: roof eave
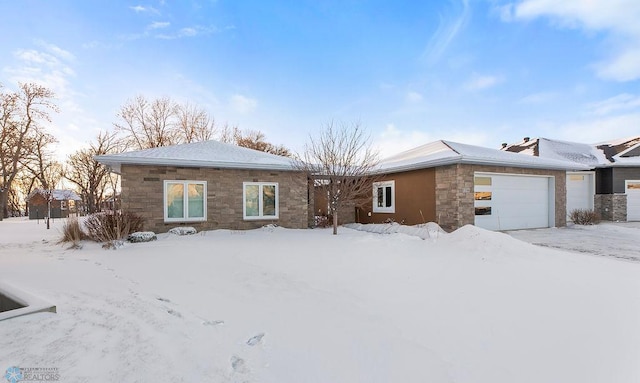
(115, 163)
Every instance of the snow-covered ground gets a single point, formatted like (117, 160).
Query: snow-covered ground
(620, 240)
(278, 305)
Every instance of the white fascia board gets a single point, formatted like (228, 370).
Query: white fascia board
(116, 162)
(528, 165)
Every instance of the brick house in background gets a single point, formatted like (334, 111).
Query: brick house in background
(455, 184)
(211, 185)
(64, 203)
(611, 187)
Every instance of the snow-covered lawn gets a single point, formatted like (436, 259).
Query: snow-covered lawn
(278, 305)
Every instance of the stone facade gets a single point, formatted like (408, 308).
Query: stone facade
(143, 188)
(455, 197)
(611, 207)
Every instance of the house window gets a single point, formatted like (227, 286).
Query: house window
(483, 210)
(384, 197)
(482, 195)
(633, 185)
(185, 201)
(63, 205)
(482, 181)
(260, 200)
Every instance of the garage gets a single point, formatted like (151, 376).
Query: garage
(632, 189)
(580, 191)
(511, 202)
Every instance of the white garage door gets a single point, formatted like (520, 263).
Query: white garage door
(580, 191)
(633, 200)
(509, 202)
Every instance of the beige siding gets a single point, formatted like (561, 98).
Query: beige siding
(143, 188)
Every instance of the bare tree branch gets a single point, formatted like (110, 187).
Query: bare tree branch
(342, 161)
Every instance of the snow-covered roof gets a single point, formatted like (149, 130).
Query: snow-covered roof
(57, 194)
(200, 154)
(441, 153)
(621, 152)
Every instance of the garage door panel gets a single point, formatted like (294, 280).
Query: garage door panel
(518, 202)
(580, 191)
(633, 200)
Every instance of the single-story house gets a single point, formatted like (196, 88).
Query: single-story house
(63, 203)
(211, 185)
(611, 187)
(456, 184)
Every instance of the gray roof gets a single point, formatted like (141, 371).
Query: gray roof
(622, 152)
(57, 194)
(441, 153)
(211, 154)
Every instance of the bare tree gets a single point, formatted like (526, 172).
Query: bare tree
(256, 140)
(40, 163)
(194, 123)
(342, 162)
(21, 112)
(148, 124)
(91, 177)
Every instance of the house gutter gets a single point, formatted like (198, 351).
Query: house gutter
(116, 163)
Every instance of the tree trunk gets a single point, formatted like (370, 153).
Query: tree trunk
(3, 203)
(335, 222)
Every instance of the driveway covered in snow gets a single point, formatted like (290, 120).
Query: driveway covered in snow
(619, 240)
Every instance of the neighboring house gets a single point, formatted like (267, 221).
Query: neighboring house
(211, 185)
(612, 187)
(63, 203)
(455, 184)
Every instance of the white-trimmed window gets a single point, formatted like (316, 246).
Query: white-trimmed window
(185, 201)
(482, 195)
(260, 200)
(384, 197)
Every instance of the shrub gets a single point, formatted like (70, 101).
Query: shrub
(112, 226)
(584, 217)
(72, 232)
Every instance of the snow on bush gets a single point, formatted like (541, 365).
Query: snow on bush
(142, 236)
(183, 230)
(424, 230)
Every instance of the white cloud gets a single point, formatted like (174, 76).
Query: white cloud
(413, 97)
(625, 66)
(193, 31)
(52, 67)
(447, 30)
(56, 50)
(478, 82)
(596, 130)
(617, 17)
(242, 104)
(188, 32)
(143, 9)
(391, 140)
(159, 25)
(621, 102)
(538, 98)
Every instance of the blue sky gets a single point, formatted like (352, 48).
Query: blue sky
(476, 72)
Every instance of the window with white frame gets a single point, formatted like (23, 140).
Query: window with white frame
(185, 201)
(384, 197)
(260, 200)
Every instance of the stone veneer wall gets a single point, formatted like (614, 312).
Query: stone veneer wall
(143, 188)
(455, 198)
(611, 207)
